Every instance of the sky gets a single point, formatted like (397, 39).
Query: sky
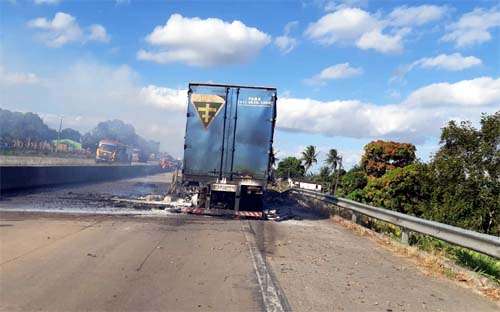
(347, 72)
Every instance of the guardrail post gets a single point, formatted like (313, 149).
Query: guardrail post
(405, 233)
(354, 217)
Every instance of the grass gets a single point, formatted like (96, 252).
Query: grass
(482, 264)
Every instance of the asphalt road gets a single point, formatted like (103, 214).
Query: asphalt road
(74, 262)
(122, 263)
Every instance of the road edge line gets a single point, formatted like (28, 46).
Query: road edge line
(268, 289)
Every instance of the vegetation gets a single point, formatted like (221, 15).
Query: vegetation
(290, 167)
(309, 157)
(459, 186)
(27, 131)
(381, 156)
(334, 161)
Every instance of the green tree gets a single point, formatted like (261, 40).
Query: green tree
(70, 134)
(465, 173)
(290, 167)
(333, 160)
(381, 156)
(402, 189)
(309, 157)
(354, 179)
(24, 127)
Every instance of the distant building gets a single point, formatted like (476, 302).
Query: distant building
(305, 184)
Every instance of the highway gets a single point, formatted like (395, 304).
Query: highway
(115, 258)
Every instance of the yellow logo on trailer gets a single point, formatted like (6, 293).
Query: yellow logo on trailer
(207, 106)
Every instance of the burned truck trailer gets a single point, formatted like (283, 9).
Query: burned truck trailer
(228, 145)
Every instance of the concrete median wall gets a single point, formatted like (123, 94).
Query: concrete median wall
(15, 178)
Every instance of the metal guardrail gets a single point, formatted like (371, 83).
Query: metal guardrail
(486, 244)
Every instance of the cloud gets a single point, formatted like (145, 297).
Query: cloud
(18, 78)
(46, 1)
(98, 33)
(415, 16)
(122, 2)
(450, 62)
(385, 34)
(203, 42)
(171, 99)
(416, 118)
(473, 27)
(338, 71)
(63, 29)
(483, 91)
(329, 5)
(286, 43)
(342, 25)
(380, 42)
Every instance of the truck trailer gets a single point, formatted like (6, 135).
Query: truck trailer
(228, 145)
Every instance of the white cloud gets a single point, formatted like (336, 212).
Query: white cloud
(450, 62)
(18, 78)
(473, 27)
(453, 62)
(122, 2)
(384, 43)
(46, 1)
(286, 43)
(165, 98)
(342, 25)
(483, 91)
(338, 71)
(63, 29)
(330, 5)
(204, 42)
(418, 117)
(98, 33)
(418, 15)
(385, 34)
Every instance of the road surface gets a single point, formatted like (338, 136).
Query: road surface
(73, 262)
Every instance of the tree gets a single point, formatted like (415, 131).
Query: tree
(24, 127)
(290, 167)
(381, 156)
(402, 189)
(334, 160)
(309, 157)
(354, 179)
(465, 173)
(70, 134)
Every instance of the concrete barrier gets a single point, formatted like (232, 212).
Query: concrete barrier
(15, 178)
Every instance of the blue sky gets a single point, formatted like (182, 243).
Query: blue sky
(347, 72)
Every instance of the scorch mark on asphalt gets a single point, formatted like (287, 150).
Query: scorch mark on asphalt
(274, 300)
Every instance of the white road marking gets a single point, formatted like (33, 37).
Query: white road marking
(272, 302)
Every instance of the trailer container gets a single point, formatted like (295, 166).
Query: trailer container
(228, 145)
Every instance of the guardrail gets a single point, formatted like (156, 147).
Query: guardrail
(486, 244)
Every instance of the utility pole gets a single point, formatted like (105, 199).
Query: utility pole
(59, 132)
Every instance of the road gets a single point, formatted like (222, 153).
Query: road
(136, 262)
(8, 160)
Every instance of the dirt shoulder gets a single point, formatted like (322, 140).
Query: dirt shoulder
(322, 265)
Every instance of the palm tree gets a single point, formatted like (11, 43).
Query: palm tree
(309, 156)
(334, 160)
(273, 159)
